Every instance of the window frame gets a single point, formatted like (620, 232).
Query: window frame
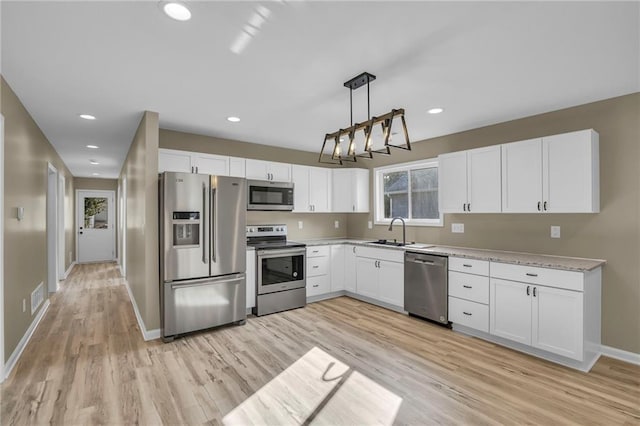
(378, 195)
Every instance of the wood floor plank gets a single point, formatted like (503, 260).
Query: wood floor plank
(88, 364)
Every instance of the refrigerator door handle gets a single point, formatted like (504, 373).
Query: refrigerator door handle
(212, 225)
(204, 208)
(208, 281)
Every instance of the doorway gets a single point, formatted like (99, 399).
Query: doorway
(52, 228)
(123, 227)
(96, 231)
(61, 227)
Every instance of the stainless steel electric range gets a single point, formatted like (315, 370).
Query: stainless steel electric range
(280, 269)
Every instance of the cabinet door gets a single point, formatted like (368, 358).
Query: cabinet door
(337, 267)
(570, 173)
(170, 160)
(317, 286)
(350, 272)
(522, 176)
(360, 194)
(367, 277)
(256, 169)
(510, 310)
(391, 283)
(484, 180)
(237, 167)
(300, 178)
(319, 189)
(251, 278)
(280, 172)
(558, 321)
(211, 164)
(341, 191)
(452, 181)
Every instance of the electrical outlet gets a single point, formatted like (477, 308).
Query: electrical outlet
(300, 224)
(370, 225)
(457, 228)
(336, 224)
(555, 232)
(24, 305)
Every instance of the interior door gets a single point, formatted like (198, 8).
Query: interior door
(96, 226)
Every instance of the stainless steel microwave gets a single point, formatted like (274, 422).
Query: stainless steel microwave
(267, 195)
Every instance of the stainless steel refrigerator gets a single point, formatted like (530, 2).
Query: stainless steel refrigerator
(202, 252)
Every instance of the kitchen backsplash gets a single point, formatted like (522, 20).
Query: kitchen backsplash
(314, 225)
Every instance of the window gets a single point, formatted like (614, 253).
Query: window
(408, 190)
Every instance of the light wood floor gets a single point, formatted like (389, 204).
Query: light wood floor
(87, 364)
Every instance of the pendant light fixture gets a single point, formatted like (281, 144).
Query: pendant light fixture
(362, 140)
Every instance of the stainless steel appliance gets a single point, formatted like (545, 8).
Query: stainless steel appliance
(280, 269)
(267, 195)
(426, 286)
(202, 252)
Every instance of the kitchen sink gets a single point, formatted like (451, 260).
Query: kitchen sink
(387, 243)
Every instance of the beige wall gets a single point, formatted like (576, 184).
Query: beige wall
(613, 234)
(27, 152)
(97, 184)
(141, 172)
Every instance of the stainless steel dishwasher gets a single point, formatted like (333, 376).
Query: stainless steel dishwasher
(426, 286)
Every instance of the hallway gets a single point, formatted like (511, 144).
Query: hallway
(87, 364)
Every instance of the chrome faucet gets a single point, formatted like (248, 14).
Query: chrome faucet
(404, 230)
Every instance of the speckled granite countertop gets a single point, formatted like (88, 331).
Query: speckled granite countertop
(518, 258)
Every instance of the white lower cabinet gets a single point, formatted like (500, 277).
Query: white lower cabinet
(380, 275)
(470, 314)
(510, 310)
(317, 286)
(251, 279)
(318, 270)
(350, 268)
(337, 267)
(469, 293)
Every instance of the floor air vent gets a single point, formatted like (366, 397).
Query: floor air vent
(37, 297)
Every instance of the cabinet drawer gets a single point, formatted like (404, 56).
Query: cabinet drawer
(569, 280)
(317, 285)
(317, 266)
(470, 287)
(470, 314)
(317, 251)
(469, 266)
(392, 255)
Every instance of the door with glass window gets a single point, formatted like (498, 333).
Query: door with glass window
(96, 226)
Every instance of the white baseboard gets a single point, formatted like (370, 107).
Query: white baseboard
(15, 356)
(620, 354)
(68, 271)
(146, 334)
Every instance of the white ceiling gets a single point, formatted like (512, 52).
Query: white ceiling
(483, 62)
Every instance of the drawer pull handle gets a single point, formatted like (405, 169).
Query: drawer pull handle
(529, 274)
(315, 251)
(316, 285)
(466, 286)
(315, 266)
(467, 313)
(466, 265)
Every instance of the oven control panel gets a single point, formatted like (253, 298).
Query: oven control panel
(266, 230)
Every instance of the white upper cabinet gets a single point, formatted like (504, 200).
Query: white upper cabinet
(312, 189)
(268, 170)
(470, 181)
(237, 167)
(170, 160)
(210, 164)
(350, 191)
(554, 174)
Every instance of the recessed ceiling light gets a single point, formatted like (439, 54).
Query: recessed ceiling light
(233, 119)
(93, 146)
(435, 110)
(95, 174)
(94, 162)
(87, 116)
(177, 11)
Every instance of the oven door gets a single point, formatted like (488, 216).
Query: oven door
(280, 270)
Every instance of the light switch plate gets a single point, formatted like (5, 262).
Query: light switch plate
(555, 232)
(370, 225)
(300, 224)
(336, 224)
(457, 228)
